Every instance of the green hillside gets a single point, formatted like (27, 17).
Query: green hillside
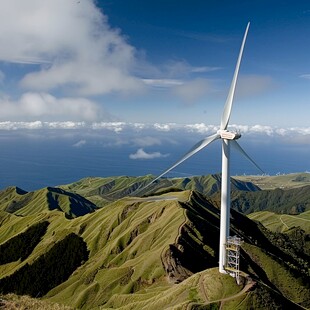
(13, 301)
(282, 222)
(246, 197)
(99, 192)
(291, 201)
(283, 181)
(19, 202)
(155, 252)
(103, 191)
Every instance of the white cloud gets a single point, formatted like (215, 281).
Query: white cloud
(79, 143)
(73, 43)
(113, 126)
(204, 69)
(64, 125)
(145, 135)
(163, 127)
(191, 91)
(8, 125)
(43, 106)
(162, 83)
(175, 69)
(261, 129)
(139, 126)
(141, 154)
(305, 76)
(171, 74)
(202, 128)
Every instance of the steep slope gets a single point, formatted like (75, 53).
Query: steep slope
(16, 201)
(103, 191)
(162, 251)
(282, 222)
(12, 301)
(11, 195)
(246, 197)
(283, 181)
(210, 184)
(291, 201)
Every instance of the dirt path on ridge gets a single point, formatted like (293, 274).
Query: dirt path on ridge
(250, 283)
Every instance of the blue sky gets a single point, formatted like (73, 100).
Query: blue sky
(274, 77)
(154, 61)
(86, 69)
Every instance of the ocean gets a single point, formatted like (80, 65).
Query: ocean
(33, 161)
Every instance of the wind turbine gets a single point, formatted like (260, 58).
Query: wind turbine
(228, 138)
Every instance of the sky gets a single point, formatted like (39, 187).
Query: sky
(117, 64)
(154, 61)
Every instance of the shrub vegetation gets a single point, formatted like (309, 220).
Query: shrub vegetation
(49, 270)
(22, 245)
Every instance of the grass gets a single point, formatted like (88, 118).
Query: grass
(128, 240)
(285, 181)
(44, 200)
(104, 190)
(282, 222)
(279, 275)
(219, 286)
(15, 302)
(141, 254)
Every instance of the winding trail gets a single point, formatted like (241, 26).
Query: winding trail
(294, 217)
(247, 287)
(202, 289)
(283, 222)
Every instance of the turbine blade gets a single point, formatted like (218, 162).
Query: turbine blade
(196, 148)
(230, 97)
(241, 150)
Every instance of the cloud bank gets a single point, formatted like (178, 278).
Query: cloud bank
(147, 134)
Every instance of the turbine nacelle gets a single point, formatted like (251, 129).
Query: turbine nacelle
(228, 135)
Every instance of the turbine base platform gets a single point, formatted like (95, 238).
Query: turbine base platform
(233, 257)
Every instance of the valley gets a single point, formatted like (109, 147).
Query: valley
(155, 250)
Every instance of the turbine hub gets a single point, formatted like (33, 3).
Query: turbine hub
(228, 135)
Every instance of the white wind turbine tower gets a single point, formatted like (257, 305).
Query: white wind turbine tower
(228, 138)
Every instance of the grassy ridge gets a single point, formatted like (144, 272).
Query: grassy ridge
(21, 246)
(291, 201)
(282, 222)
(140, 248)
(285, 181)
(130, 264)
(21, 203)
(12, 302)
(53, 268)
(125, 250)
(246, 197)
(102, 191)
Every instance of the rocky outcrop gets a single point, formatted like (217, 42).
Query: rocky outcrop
(172, 263)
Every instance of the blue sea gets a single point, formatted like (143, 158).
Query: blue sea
(33, 161)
